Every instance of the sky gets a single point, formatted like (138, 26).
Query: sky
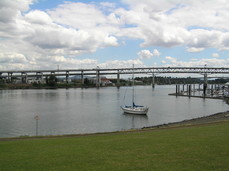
(85, 34)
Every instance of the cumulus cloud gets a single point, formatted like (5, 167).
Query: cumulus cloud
(194, 49)
(156, 52)
(215, 55)
(36, 38)
(210, 62)
(38, 17)
(147, 54)
(122, 63)
(175, 23)
(39, 33)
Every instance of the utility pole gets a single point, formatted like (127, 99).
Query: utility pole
(36, 118)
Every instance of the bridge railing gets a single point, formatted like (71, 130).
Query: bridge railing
(114, 71)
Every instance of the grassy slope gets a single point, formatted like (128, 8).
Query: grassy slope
(190, 148)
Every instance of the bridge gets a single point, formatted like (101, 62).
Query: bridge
(97, 72)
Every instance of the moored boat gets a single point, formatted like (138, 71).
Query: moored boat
(134, 109)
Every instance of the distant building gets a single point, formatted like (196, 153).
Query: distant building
(103, 81)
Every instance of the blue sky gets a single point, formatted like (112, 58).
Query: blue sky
(41, 34)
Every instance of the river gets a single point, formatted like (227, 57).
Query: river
(79, 111)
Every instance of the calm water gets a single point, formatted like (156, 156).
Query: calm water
(76, 111)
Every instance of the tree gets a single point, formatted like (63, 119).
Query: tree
(86, 81)
(51, 80)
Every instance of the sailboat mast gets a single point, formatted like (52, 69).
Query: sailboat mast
(133, 86)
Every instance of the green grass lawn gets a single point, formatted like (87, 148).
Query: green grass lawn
(197, 148)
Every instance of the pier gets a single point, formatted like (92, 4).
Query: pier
(212, 91)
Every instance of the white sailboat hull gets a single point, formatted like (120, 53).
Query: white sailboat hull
(135, 110)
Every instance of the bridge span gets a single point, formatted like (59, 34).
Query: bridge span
(97, 72)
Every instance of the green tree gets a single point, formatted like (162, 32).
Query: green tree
(51, 80)
(86, 81)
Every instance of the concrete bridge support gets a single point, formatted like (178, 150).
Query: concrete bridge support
(24, 77)
(67, 77)
(97, 79)
(205, 83)
(118, 79)
(9, 76)
(1, 79)
(39, 76)
(82, 78)
(153, 80)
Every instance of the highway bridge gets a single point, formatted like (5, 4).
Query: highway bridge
(98, 72)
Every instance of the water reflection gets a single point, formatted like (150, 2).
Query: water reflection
(137, 121)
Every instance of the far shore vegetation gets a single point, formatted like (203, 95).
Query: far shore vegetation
(59, 82)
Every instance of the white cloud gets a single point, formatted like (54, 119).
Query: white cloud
(38, 17)
(37, 38)
(215, 55)
(156, 52)
(171, 59)
(195, 24)
(146, 54)
(87, 16)
(35, 33)
(193, 49)
(122, 64)
(210, 62)
(163, 62)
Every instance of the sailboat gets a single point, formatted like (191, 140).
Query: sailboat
(135, 109)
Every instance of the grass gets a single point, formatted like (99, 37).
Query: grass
(189, 148)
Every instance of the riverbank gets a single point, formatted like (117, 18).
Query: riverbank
(196, 147)
(214, 118)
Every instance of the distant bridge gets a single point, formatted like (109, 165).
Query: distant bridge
(97, 72)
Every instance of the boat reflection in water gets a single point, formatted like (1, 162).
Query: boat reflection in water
(136, 121)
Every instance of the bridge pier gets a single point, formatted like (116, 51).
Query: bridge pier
(97, 79)
(39, 76)
(118, 79)
(10, 76)
(24, 77)
(67, 77)
(153, 80)
(205, 83)
(1, 78)
(82, 78)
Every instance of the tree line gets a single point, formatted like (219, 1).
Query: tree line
(54, 82)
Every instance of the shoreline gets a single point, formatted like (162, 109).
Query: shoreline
(211, 119)
(214, 118)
